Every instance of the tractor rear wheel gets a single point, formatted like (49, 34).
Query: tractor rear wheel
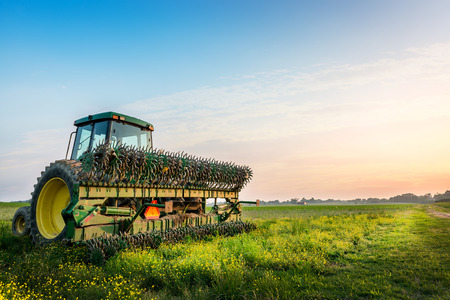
(52, 194)
(21, 221)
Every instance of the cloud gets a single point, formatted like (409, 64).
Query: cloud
(286, 102)
(335, 131)
(21, 165)
(34, 145)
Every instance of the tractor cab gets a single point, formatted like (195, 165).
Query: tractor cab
(110, 127)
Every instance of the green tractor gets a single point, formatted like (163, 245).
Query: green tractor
(116, 182)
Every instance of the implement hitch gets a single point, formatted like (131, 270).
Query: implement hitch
(225, 215)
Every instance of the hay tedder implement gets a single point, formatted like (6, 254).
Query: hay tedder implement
(115, 182)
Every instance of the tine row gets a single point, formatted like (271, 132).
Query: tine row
(115, 163)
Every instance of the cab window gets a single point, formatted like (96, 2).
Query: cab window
(130, 135)
(82, 140)
(100, 131)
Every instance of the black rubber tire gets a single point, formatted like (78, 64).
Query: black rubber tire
(68, 171)
(21, 221)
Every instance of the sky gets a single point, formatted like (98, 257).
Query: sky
(324, 99)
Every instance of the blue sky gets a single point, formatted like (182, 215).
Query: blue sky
(305, 92)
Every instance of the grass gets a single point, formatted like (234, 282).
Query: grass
(441, 206)
(7, 210)
(297, 252)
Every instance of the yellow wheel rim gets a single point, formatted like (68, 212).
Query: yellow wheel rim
(54, 197)
(20, 224)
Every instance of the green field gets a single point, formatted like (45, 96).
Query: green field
(297, 252)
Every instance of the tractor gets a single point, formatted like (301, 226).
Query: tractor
(115, 182)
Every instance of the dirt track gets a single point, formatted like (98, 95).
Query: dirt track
(438, 213)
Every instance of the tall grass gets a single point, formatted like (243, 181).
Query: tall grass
(329, 252)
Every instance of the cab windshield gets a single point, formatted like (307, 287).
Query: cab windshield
(91, 135)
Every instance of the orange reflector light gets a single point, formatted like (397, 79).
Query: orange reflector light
(152, 212)
(121, 118)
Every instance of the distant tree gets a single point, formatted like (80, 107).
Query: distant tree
(373, 200)
(445, 195)
(411, 198)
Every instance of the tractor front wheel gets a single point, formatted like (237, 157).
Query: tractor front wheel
(21, 221)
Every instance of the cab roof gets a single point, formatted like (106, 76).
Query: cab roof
(113, 116)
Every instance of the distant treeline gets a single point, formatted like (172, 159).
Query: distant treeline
(405, 198)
